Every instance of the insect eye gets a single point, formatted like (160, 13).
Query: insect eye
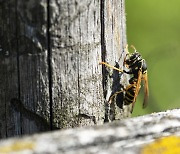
(144, 67)
(135, 55)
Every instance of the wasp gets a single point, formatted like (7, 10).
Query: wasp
(137, 68)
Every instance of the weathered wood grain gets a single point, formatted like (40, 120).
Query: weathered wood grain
(113, 45)
(9, 85)
(24, 66)
(49, 70)
(128, 136)
(33, 62)
(86, 33)
(76, 73)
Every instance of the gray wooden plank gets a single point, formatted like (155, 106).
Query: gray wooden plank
(33, 64)
(57, 73)
(113, 45)
(130, 136)
(76, 52)
(10, 120)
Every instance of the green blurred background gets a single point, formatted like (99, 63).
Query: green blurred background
(153, 27)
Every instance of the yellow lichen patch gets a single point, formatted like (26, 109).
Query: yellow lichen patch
(165, 145)
(17, 147)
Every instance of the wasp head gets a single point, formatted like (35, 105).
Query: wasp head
(133, 58)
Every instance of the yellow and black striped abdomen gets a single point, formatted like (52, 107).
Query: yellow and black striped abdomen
(129, 95)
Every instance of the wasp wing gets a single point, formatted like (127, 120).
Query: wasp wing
(138, 86)
(146, 90)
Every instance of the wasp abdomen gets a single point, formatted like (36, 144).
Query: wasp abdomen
(129, 95)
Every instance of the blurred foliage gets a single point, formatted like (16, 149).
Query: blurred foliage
(153, 27)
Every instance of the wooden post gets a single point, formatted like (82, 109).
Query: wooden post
(113, 42)
(49, 64)
(9, 85)
(75, 35)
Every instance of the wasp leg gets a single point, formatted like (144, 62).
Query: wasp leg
(118, 92)
(129, 72)
(110, 66)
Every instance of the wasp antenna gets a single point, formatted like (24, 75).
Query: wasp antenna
(126, 48)
(110, 66)
(132, 46)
